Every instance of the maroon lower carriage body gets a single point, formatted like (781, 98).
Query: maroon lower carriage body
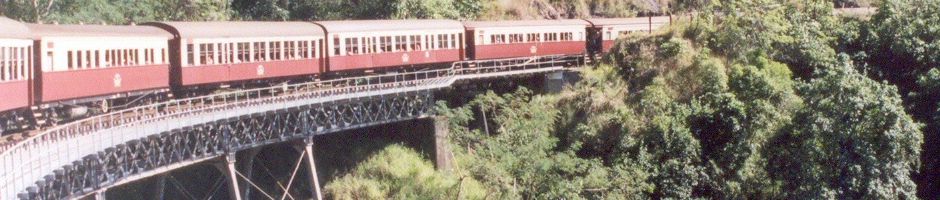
(249, 71)
(15, 94)
(66, 85)
(380, 60)
(495, 51)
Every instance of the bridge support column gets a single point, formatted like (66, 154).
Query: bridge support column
(247, 165)
(443, 157)
(227, 167)
(101, 195)
(553, 82)
(306, 148)
(159, 187)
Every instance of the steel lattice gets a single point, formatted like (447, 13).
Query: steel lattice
(227, 135)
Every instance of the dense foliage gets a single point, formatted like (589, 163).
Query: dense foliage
(754, 99)
(401, 173)
(711, 109)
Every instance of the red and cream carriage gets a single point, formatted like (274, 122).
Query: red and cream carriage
(15, 75)
(506, 39)
(227, 52)
(609, 30)
(378, 44)
(79, 63)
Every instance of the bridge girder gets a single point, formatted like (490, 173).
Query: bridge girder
(182, 147)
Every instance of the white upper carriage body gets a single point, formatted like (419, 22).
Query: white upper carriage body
(83, 47)
(16, 49)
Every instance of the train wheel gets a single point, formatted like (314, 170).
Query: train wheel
(3, 126)
(52, 118)
(105, 106)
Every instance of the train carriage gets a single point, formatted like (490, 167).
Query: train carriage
(15, 75)
(506, 39)
(100, 64)
(214, 53)
(379, 44)
(606, 31)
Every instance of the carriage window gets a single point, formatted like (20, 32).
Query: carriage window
(305, 49)
(11, 63)
(274, 50)
(89, 60)
(97, 58)
(400, 43)
(349, 47)
(80, 62)
(205, 54)
(355, 46)
(532, 37)
(336, 49)
(365, 46)
(107, 58)
(190, 60)
(438, 42)
(147, 57)
(288, 50)
(516, 38)
(244, 52)
(566, 36)
(292, 47)
(258, 54)
(230, 52)
(313, 49)
(14, 64)
(416, 43)
(385, 44)
(301, 49)
(3, 64)
(219, 53)
(116, 57)
(370, 45)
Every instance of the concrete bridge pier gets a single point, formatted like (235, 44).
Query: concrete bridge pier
(553, 82)
(306, 149)
(443, 158)
(247, 165)
(101, 195)
(227, 167)
(556, 81)
(159, 188)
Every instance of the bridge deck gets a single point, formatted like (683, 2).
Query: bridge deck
(39, 156)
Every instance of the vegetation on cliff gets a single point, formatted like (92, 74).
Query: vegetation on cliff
(763, 99)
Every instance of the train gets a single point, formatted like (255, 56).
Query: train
(51, 74)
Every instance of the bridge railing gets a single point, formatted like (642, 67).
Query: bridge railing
(24, 152)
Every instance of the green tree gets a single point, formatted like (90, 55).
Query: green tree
(853, 140)
(425, 9)
(116, 11)
(401, 173)
(266, 10)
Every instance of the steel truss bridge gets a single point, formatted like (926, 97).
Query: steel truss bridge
(89, 156)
